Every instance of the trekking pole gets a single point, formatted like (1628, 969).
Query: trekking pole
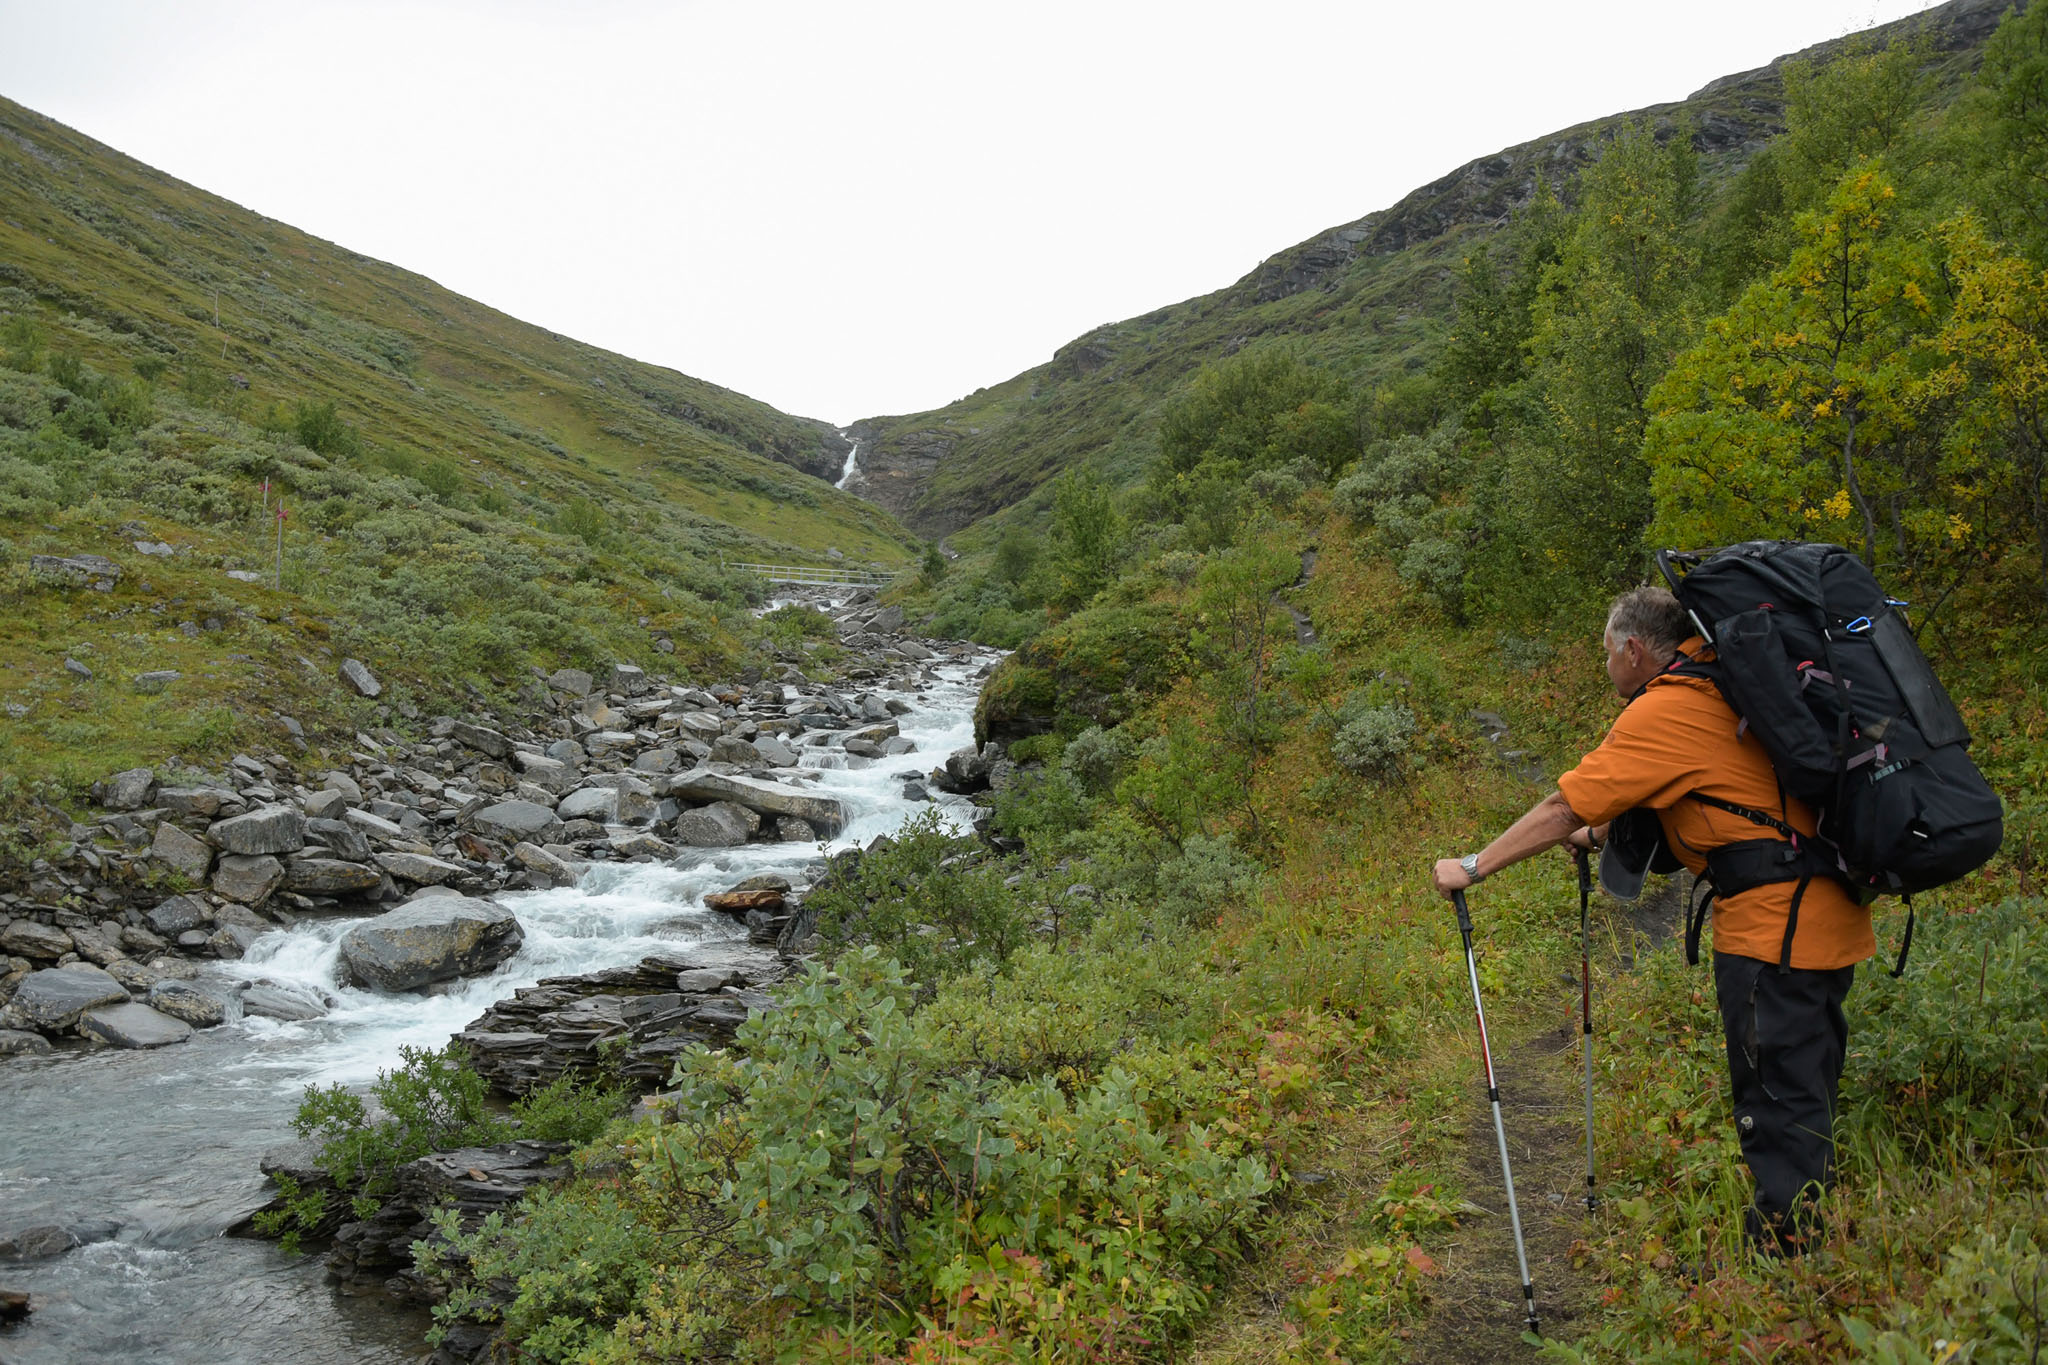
(1586, 1008)
(1500, 1131)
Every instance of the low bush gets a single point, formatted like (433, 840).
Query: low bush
(1373, 740)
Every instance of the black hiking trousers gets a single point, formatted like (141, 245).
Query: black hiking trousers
(1787, 1039)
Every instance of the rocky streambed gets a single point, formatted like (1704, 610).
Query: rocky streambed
(619, 865)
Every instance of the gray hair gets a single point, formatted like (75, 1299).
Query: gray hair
(1653, 616)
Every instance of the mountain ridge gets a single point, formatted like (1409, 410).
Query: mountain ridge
(943, 469)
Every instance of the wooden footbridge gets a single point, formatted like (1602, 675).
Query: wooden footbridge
(805, 575)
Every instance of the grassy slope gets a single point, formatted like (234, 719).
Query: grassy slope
(1370, 299)
(511, 496)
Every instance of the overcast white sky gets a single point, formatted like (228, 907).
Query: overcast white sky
(853, 209)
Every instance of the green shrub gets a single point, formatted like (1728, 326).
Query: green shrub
(925, 899)
(1373, 740)
(1962, 1037)
(441, 478)
(24, 339)
(1207, 877)
(319, 427)
(1987, 1307)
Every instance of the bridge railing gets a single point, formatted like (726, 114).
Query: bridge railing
(807, 575)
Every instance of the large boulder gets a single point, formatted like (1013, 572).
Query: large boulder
(516, 822)
(823, 813)
(178, 915)
(432, 937)
(27, 938)
(267, 829)
(719, 825)
(357, 674)
(52, 1000)
(132, 1025)
(249, 880)
(574, 681)
(591, 803)
(176, 849)
(330, 877)
(182, 1000)
(130, 790)
(483, 740)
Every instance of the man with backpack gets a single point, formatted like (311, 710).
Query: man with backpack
(1785, 947)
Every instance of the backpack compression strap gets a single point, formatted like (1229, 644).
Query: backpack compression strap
(1750, 863)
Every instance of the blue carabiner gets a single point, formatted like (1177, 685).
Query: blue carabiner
(1858, 626)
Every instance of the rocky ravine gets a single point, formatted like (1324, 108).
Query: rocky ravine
(99, 947)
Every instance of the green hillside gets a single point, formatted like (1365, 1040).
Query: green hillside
(1369, 300)
(466, 494)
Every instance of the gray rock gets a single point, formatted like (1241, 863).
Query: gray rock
(250, 880)
(130, 790)
(630, 679)
(720, 825)
(330, 877)
(76, 571)
(176, 849)
(357, 675)
(133, 1026)
(26, 938)
(574, 681)
(542, 769)
(202, 803)
(267, 829)
(538, 860)
(372, 826)
(78, 670)
(345, 784)
(641, 844)
(178, 915)
(911, 649)
(283, 1003)
(863, 748)
(19, 1043)
(657, 761)
(327, 804)
(183, 1000)
(590, 803)
(135, 978)
(774, 752)
(430, 938)
(791, 830)
(887, 621)
(483, 740)
(156, 680)
(897, 745)
(230, 941)
(341, 838)
(98, 944)
(141, 942)
(734, 750)
(52, 1000)
(516, 821)
(567, 751)
(823, 812)
(418, 868)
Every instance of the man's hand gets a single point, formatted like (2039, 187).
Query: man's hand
(1449, 876)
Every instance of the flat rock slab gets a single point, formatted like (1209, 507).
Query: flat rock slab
(330, 877)
(27, 938)
(21, 1043)
(823, 813)
(428, 939)
(180, 851)
(132, 1025)
(516, 821)
(52, 999)
(418, 868)
(183, 1000)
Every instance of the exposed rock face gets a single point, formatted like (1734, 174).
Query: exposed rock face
(718, 825)
(430, 938)
(660, 1007)
(176, 849)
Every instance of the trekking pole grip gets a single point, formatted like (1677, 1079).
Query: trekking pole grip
(1464, 915)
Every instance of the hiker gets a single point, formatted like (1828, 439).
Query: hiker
(1786, 1036)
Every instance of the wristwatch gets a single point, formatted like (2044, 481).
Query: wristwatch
(1470, 864)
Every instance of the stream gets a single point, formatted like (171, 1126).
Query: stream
(165, 1143)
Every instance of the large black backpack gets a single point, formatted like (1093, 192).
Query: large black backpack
(1824, 670)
